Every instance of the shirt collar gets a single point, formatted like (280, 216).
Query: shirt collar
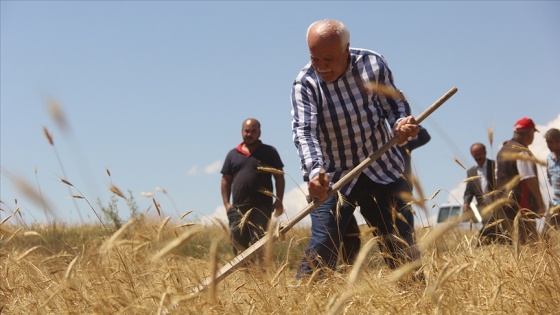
(483, 167)
(246, 153)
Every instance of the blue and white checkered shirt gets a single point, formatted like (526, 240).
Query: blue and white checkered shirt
(553, 174)
(337, 125)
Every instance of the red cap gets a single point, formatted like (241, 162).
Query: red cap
(525, 124)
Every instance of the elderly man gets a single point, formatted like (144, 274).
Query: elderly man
(517, 179)
(481, 182)
(337, 122)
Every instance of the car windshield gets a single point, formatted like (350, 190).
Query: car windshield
(449, 212)
(443, 214)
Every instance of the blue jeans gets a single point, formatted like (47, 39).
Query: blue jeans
(379, 205)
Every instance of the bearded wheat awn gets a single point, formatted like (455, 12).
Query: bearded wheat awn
(115, 190)
(55, 110)
(514, 156)
(491, 136)
(460, 164)
(269, 169)
(161, 226)
(48, 136)
(386, 91)
(51, 142)
(185, 214)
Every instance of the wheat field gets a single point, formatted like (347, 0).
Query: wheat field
(151, 266)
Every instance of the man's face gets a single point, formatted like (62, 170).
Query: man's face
(553, 145)
(531, 137)
(527, 137)
(479, 154)
(250, 132)
(328, 57)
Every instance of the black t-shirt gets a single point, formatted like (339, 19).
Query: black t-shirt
(248, 180)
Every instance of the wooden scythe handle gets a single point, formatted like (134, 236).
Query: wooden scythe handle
(284, 227)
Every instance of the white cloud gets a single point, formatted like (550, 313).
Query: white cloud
(192, 171)
(294, 201)
(214, 167)
(218, 215)
(456, 194)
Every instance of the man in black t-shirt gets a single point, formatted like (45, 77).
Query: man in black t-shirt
(247, 177)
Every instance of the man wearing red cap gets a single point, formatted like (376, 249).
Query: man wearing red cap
(517, 180)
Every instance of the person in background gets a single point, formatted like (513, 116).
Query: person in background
(337, 122)
(552, 137)
(245, 180)
(481, 182)
(421, 139)
(351, 241)
(516, 178)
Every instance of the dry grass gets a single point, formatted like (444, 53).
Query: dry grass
(152, 267)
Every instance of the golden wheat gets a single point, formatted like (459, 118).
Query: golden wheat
(133, 272)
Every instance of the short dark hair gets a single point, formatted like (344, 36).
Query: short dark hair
(552, 134)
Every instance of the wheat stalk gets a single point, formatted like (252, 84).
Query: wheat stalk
(269, 169)
(514, 156)
(185, 214)
(27, 252)
(185, 236)
(386, 91)
(267, 192)
(111, 242)
(491, 136)
(55, 110)
(161, 226)
(69, 269)
(115, 190)
(459, 163)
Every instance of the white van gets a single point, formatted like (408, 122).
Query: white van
(451, 210)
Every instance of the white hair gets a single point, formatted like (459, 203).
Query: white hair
(329, 27)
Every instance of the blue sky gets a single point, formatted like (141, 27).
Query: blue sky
(156, 91)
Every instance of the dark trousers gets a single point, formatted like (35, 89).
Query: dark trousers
(245, 232)
(383, 208)
(518, 226)
(492, 231)
(351, 242)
